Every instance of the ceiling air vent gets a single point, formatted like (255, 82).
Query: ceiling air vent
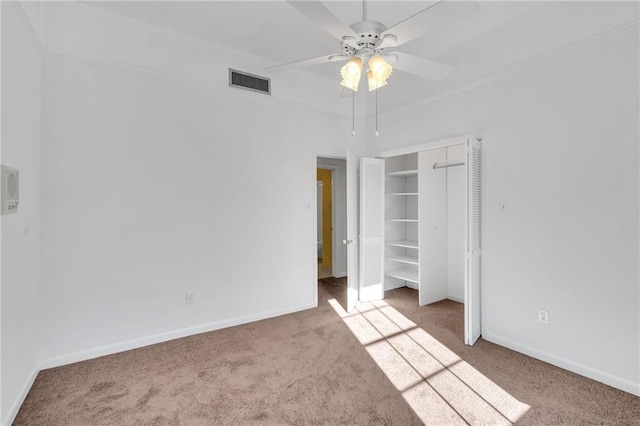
(249, 81)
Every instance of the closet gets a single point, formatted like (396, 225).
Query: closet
(432, 225)
(402, 261)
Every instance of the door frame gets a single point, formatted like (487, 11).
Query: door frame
(334, 245)
(313, 206)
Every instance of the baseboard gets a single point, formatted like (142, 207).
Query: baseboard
(583, 370)
(388, 287)
(340, 275)
(163, 337)
(456, 299)
(15, 407)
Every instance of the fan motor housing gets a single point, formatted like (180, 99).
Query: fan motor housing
(368, 33)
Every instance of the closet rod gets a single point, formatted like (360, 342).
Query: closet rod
(450, 163)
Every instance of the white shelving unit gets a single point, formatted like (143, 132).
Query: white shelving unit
(404, 243)
(405, 258)
(401, 235)
(404, 274)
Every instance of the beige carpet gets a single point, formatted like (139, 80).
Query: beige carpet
(303, 368)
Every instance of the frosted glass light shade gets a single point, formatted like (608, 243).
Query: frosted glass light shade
(380, 71)
(373, 83)
(351, 73)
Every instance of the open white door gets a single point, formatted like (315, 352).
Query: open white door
(352, 230)
(371, 229)
(472, 315)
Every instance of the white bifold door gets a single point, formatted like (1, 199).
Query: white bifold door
(372, 229)
(352, 230)
(472, 314)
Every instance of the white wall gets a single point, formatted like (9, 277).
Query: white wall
(456, 223)
(21, 90)
(155, 185)
(561, 147)
(340, 213)
(86, 33)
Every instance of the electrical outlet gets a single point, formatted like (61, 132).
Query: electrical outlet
(190, 298)
(543, 317)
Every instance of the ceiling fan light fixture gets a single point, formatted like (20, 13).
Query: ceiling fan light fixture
(380, 69)
(374, 84)
(351, 73)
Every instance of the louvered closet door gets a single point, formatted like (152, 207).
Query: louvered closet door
(474, 252)
(371, 229)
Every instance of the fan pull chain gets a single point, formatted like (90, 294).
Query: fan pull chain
(376, 133)
(353, 113)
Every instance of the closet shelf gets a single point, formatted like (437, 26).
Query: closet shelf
(404, 274)
(403, 193)
(404, 243)
(404, 258)
(403, 220)
(403, 173)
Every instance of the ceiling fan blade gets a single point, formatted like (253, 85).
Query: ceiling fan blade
(307, 62)
(435, 16)
(422, 67)
(321, 16)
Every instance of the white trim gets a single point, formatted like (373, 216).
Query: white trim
(314, 227)
(17, 403)
(334, 240)
(441, 143)
(455, 299)
(314, 210)
(581, 369)
(27, 23)
(164, 337)
(319, 155)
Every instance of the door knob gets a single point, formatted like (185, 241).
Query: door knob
(347, 241)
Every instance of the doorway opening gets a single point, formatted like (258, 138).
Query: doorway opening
(331, 229)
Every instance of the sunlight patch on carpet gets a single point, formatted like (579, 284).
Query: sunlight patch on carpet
(438, 385)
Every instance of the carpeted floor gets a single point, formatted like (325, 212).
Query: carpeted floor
(303, 368)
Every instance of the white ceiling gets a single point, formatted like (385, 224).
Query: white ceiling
(501, 35)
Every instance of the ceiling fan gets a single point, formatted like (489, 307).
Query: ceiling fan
(369, 42)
